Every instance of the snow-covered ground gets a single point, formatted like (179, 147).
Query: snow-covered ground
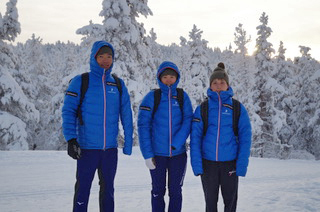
(38, 181)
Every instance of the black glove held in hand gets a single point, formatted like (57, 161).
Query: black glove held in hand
(74, 150)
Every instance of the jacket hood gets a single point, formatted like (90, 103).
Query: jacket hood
(163, 66)
(224, 95)
(94, 66)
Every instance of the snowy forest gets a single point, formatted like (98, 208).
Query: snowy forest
(280, 94)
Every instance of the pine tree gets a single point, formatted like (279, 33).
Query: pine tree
(197, 67)
(9, 25)
(266, 144)
(122, 30)
(41, 72)
(16, 111)
(283, 73)
(239, 73)
(305, 108)
(241, 40)
(183, 60)
(313, 125)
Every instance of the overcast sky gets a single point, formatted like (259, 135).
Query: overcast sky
(295, 22)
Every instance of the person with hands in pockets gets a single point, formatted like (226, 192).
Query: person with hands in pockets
(217, 154)
(163, 130)
(91, 127)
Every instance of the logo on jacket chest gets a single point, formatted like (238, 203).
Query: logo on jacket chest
(226, 110)
(175, 103)
(112, 90)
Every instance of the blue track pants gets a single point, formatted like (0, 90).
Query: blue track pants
(106, 164)
(176, 168)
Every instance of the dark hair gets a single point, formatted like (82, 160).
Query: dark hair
(104, 50)
(169, 71)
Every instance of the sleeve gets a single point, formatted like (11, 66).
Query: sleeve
(181, 136)
(126, 120)
(145, 125)
(245, 136)
(196, 143)
(70, 107)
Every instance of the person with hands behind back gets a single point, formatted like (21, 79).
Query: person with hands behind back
(218, 154)
(90, 125)
(164, 123)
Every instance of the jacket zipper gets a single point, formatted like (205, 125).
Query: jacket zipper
(170, 122)
(218, 133)
(104, 109)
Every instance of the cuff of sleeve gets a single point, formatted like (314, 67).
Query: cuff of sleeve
(241, 171)
(72, 139)
(198, 172)
(127, 150)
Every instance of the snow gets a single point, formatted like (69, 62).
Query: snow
(13, 128)
(44, 181)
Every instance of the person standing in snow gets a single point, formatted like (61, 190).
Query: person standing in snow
(162, 136)
(217, 154)
(92, 141)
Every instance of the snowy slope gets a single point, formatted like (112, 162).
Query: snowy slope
(37, 181)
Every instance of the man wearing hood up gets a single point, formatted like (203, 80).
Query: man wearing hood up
(92, 141)
(162, 136)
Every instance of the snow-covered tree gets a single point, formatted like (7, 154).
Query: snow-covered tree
(35, 63)
(9, 24)
(239, 73)
(154, 60)
(15, 108)
(283, 73)
(151, 42)
(196, 70)
(122, 30)
(313, 125)
(266, 142)
(305, 108)
(241, 40)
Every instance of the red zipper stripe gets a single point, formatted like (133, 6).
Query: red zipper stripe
(170, 122)
(104, 110)
(218, 133)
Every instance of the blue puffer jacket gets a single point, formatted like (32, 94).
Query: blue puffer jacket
(219, 143)
(100, 109)
(168, 128)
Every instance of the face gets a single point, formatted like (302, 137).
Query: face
(218, 85)
(168, 80)
(104, 60)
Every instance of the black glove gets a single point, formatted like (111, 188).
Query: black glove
(173, 148)
(74, 150)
